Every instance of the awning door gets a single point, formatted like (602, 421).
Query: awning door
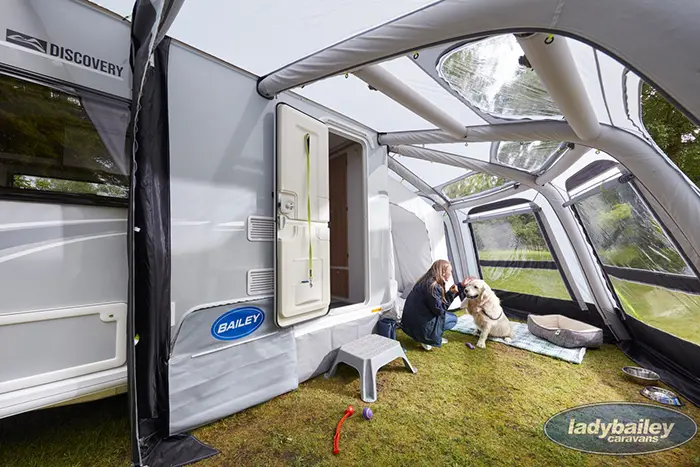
(303, 237)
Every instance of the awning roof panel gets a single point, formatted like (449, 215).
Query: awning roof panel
(432, 173)
(348, 38)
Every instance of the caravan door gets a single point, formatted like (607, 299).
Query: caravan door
(303, 236)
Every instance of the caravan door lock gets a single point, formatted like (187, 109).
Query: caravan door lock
(286, 203)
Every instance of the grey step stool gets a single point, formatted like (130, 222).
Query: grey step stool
(367, 355)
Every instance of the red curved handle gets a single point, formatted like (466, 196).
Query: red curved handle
(336, 438)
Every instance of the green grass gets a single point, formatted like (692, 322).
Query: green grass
(675, 312)
(463, 407)
(539, 282)
(519, 255)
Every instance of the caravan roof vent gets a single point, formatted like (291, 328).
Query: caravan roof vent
(261, 229)
(260, 281)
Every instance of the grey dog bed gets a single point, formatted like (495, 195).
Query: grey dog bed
(565, 332)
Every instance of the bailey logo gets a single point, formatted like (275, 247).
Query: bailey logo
(237, 323)
(63, 54)
(620, 428)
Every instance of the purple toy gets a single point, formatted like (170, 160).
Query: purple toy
(470, 345)
(367, 413)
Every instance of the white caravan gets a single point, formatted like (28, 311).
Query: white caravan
(63, 211)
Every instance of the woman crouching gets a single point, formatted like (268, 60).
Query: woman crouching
(425, 316)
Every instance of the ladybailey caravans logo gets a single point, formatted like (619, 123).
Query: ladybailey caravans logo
(620, 428)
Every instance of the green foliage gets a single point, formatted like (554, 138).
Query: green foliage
(527, 231)
(615, 223)
(48, 142)
(70, 186)
(517, 235)
(677, 136)
(625, 233)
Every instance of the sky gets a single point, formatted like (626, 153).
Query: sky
(263, 35)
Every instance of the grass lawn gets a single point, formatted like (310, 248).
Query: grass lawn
(674, 312)
(539, 282)
(463, 407)
(520, 255)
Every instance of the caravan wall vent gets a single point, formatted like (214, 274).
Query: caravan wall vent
(261, 229)
(261, 281)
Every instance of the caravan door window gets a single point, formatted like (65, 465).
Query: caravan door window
(61, 145)
(651, 278)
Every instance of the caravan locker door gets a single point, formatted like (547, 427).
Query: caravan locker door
(303, 236)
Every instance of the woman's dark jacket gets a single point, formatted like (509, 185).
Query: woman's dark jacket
(424, 312)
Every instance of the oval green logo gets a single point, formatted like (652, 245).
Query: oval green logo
(620, 428)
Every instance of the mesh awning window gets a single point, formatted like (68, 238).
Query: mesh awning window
(530, 156)
(650, 277)
(514, 257)
(489, 76)
(471, 185)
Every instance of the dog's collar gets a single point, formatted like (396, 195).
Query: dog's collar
(493, 319)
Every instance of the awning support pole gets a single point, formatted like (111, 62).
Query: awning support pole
(551, 59)
(383, 81)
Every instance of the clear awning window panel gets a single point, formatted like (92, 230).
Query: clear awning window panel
(514, 257)
(651, 279)
(472, 185)
(492, 76)
(530, 156)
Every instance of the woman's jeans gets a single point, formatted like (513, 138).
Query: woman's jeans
(450, 320)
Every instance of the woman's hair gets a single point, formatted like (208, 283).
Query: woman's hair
(434, 277)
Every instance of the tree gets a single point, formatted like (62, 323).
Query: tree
(48, 142)
(677, 136)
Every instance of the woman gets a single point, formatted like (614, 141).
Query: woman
(425, 316)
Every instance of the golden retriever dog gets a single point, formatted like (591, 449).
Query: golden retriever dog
(485, 307)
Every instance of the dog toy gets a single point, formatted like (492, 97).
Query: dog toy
(367, 413)
(470, 345)
(336, 439)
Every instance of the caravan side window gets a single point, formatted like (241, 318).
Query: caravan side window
(61, 146)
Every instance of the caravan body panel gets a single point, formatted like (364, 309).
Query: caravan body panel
(63, 262)
(222, 152)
